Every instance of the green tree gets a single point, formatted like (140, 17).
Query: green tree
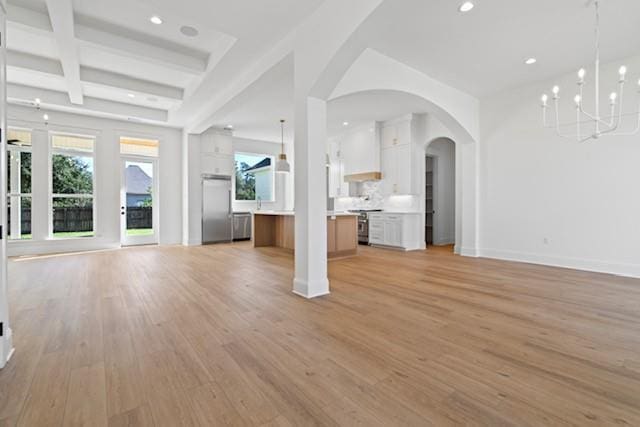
(245, 183)
(71, 175)
(147, 202)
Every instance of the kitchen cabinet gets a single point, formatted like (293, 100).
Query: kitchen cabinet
(335, 171)
(219, 144)
(397, 230)
(216, 165)
(394, 134)
(397, 170)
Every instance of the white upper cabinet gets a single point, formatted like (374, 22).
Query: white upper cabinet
(337, 186)
(217, 153)
(394, 134)
(219, 144)
(397, 158)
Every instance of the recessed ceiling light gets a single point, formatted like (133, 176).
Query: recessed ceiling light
(189, 31)
(345, 123)
(466, 6)
(229, 126)
(530, 61)
(156, 20)
(45, 117)
(130, 95)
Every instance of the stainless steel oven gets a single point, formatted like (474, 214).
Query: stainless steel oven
(363, 228)
(363, 225)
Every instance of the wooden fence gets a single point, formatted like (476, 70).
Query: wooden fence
(81, 219)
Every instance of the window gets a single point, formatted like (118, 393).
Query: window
(72, 184)
(19, 184)
(254, 177)
(139, 147)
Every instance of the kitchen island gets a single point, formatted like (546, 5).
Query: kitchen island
(277, 228)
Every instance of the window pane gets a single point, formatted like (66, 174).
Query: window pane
(21, 138)
(21, 184)
(70, 142)
(139, 147)
(25, 172)
(72, 217)
(139, 185)
(19, 212)
(254, 177)
(72, 174)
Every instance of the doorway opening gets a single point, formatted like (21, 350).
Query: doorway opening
(440, 194)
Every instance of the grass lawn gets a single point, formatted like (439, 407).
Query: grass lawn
(71, 234)
(140, 232)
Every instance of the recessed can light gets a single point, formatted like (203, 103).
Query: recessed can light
(156, 20)
(189, 31)
(530, 61)
(130, 95)
(466, 6)
(345, 123)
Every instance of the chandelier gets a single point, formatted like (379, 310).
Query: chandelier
(596, 123)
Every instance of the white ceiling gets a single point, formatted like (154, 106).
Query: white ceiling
(174, 77)
(109, 51)
(483, 51)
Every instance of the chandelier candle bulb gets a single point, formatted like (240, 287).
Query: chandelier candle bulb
(556, 91)
(613, 97)
(544, 98)
(577, 100)
(581, 75)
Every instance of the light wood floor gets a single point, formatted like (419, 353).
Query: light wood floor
(213, 336)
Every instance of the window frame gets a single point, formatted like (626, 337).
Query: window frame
(50, 195)
(273, 176)
(20, 195)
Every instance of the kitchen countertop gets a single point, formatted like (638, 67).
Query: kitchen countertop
(292, 213)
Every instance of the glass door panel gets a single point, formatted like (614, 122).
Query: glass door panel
(138, 207)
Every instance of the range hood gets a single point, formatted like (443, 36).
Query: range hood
(363, 177)
(356, 182)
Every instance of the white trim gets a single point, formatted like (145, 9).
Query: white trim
(301, 288)
(6, 347)
(598, 266)
(469, 252)
(51, 195)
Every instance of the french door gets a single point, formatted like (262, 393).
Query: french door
(139, 223)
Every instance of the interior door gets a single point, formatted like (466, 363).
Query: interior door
(139, 223)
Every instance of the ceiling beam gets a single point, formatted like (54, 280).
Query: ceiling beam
(94, 76)
(106, 37)
(58, 101)
(61, 16)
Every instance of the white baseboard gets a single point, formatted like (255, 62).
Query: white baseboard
(470, 252)
(6, 347)
(598, 266)
(54, 246)
(313, 290)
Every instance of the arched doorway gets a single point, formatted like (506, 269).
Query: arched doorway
(440, 193)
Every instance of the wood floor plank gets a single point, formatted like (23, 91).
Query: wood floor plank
(213, 335)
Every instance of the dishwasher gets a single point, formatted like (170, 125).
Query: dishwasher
(241, 226)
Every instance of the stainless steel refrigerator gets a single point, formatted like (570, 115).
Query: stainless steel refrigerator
(217, 213)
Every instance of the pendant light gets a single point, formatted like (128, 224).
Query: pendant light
(282, 166)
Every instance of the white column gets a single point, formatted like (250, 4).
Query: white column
(6, 344)
(310, 198)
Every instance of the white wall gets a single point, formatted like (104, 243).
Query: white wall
(107, 170)
(554, 201)
(443, 150)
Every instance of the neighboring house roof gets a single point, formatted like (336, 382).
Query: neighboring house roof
(261, 164)
(138, 182)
